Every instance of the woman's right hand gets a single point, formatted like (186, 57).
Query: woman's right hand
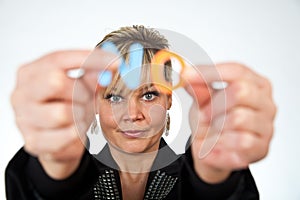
(44, 103)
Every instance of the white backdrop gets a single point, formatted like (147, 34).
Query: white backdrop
(264, 35)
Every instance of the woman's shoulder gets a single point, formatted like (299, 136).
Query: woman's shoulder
(18, 161)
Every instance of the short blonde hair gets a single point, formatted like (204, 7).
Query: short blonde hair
(151, 40)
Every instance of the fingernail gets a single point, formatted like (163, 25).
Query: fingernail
(75, 73)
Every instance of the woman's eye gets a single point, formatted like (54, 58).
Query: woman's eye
(149, 96)
(114, 98)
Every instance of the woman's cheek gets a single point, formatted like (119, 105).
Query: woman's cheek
(107, 118)
(157, 116)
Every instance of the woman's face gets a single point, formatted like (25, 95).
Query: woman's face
(134, 121)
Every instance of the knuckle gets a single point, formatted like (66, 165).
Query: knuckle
(21, 70)
(24, 73)
(266, 82)
(55, 56)
(54, 80)
(237, 161)
(240, 92)
(269, 132)
(273, 110)
(56, 83)
(265, 151)
(233, 65)
(246, 143)
(13, 99)
(20, 107)
(62, 115)
(270, 109)
(239, 68)
(17, 97)
(238, 118)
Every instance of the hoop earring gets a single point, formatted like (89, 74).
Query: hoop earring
(168, 124)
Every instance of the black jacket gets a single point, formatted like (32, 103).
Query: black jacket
(26, 179)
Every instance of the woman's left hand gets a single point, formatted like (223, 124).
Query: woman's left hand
(231, 127)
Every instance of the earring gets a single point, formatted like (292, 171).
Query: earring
(94, 127)
(168, 124)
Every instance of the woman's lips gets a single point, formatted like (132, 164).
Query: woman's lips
(133, 133)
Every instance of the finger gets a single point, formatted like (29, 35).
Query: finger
(92, 62)
(217, 156)
(72, 151)
(232, 151)
(206, 77)
(200, 93)
(62, 60)
(244, 119)
(100, 65)
(248, 146)
(46, 86)
(240, 93)
(224, 160)
(228, 72)
(51, 140)
(54, 87)
(81, 94)
(51, 115)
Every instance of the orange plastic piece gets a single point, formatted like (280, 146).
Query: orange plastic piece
(157, 64)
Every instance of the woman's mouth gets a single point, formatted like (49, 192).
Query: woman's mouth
(134, 133)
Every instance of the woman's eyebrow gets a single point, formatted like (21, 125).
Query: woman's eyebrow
(146, 87)
(113, 90)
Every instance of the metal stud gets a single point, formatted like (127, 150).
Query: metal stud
(106, 187)
(160, 186)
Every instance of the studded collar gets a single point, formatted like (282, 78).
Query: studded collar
(161, 181)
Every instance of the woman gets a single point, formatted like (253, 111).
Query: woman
(54, 164)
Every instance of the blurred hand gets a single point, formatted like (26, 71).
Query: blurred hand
(45, 100)
(231, 127)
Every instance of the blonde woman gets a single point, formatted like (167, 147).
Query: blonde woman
(135, 163)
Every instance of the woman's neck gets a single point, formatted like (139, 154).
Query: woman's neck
(133, 162)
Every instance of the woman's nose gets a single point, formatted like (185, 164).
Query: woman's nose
(134, 110)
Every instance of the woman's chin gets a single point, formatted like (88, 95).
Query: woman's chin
(135, 147)
(132, 149)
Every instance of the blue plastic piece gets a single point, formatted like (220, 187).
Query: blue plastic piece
(130, 73)
(105, 78)
(110, 47)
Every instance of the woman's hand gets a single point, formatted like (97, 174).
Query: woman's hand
(45, 102)
(231, 127)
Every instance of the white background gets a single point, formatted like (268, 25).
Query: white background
(264, 35)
